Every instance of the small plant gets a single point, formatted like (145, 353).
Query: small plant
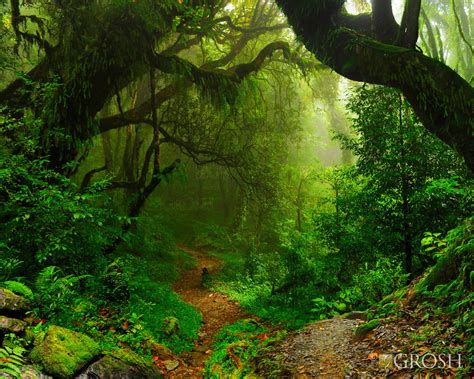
(54, 291)
(115, 283)
(8, 266)
(327, 308)
(11, 356)
(434, 244)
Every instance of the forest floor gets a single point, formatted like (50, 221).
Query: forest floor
(217, 311)
(324, 349)
(328, 349)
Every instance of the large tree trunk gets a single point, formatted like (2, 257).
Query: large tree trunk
(443, 100)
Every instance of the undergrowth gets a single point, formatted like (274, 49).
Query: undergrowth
(235, 348)
(441, 301)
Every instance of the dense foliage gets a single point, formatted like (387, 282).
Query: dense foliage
(128, 128)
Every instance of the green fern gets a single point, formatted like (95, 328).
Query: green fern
(11, 358)
(19, 289)
(54, 289)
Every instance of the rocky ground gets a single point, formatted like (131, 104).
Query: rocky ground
(64, 353)
(350, 348)
(342, 347)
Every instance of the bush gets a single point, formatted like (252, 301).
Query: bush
(367, 288)
(45, 221)
(114, 283)
(55, 293)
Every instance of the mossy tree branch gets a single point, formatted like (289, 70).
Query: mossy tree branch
(443, 100)
(227, 79)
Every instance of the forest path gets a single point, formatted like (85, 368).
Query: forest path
(328, 349)
(321, 350)
(217, 311)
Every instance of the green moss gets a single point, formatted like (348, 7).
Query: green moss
(130, 358)
(123, 358)
(362, 330)
(12, 302)
(19, 289)
(63, 352)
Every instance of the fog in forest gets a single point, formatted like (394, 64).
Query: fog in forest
(236, 188)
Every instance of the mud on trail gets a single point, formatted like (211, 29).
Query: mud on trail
(217, 311)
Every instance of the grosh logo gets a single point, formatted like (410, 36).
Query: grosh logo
(429, 361)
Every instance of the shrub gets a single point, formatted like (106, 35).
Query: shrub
(55, 292)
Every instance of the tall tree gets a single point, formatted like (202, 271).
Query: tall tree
(400, 159)
(92, 50)
(95, 76)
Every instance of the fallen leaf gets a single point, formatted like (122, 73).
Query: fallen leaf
(372, 356)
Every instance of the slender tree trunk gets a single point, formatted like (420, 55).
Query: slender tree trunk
(224, 200)
(407, 238)
(405, 192)
(299, 205)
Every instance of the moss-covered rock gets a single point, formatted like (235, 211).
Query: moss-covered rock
(158, 350)
(11, 325)
(64, 352)
(131, 358)
(122, 364)
(457, 260)
(364, 329)
(11, 302)
(30, 372)
(26, 372)
(19, 289)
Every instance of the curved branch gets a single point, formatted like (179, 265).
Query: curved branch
(88, 177)
(258, 29)
(443, 100)
(233, 75)
(213, 78)
(245, 69)
(138, 115)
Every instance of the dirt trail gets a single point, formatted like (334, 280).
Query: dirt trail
(325, 349)
(217, 311)
(328, 349)
(321, 350)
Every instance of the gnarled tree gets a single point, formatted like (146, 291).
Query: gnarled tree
(374, 48)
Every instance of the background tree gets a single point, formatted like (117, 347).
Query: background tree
(400, 160)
